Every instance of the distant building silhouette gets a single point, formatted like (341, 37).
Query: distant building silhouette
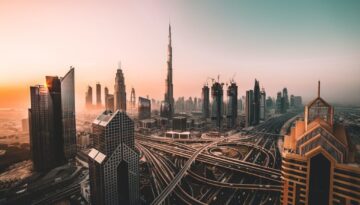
(206, 101)
(89, 97)
(286, 103)
(217, 104)
(262, 104)
(114, 162)
(249, 108)
(110, 103)
(132, 98)
(232, 105)
(106, 93)
(144, 108)
(256, 103)
(98, 95)
(298, 101)
(269, 103)
(279, 103)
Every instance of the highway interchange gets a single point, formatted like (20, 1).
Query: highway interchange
(241, 168)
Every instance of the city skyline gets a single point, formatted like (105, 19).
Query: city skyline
(179, 102)
(258, 42)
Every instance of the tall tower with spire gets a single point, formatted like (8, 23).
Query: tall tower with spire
(119, 91)
(167, 106)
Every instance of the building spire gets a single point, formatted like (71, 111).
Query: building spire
(318, 88)
(169, 33)
(119, 65)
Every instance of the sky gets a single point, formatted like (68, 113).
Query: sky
(284, 43)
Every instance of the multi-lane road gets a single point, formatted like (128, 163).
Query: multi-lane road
(253, 177)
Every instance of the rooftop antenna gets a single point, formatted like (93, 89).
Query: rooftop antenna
(318, 88)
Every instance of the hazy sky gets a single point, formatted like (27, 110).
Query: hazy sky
(281, 43)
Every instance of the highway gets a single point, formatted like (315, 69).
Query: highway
(159, 199)
(196, 175)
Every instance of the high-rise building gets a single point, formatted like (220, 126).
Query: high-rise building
(256, 103)
(292, 97)
(262, 104)
(316, 160)
(249, 108)
(180, 105)
(179, 123)
(189, 105)
(106, 93)
(298, 101)
(98, 95)
(114, 162)
(89, 98)
(132, 98)
(269, 103)
(232, 105)
(110, 102)
(240, 105)
(120, 91)
(206, 101)
(195, 103)
(279, 103)
(286, 100)
(167, 106)
(68, 113)
(217, 104)
(144, 108)
(45, 123)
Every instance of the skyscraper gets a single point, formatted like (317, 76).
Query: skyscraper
(45, 123)
(98, 95)
(132, 98)
(286, 100)
(232, 104)
(269, 103)
(114, 162)
(206, 101)
(262, 104)
(167, 106)
(256, 103)
(120, 91)
(110, 102)
(292, 97)
(316, 160)
(249, 108)
(88, 97)
(68, 113)
(298, 101)
(279, 103)
(144, 108)
(106, 93)
(217, 104)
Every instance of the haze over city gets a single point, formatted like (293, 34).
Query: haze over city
(175, 102)
(281, 43)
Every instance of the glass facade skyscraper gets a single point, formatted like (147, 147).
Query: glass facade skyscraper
(45, 123)
(232, 104)
(205, 101)
(68, 113)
